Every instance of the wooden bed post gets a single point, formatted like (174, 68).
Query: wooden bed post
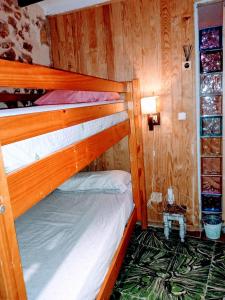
(12, 285)
(136, 151)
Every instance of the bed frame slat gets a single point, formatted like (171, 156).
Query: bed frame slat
(20, 127)
(20, 75)
(31, 184)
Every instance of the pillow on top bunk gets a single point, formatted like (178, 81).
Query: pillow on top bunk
(105, 181)
(70, 97)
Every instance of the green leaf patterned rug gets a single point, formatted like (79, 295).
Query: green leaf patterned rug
(157, 269)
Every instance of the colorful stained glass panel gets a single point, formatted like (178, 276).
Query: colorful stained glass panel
(211, 126)
(211, 61)
(211, 83)
(211, 146)
(212, 185)
(211, 166)
(211, 105)
(210, 38)
(211, 203)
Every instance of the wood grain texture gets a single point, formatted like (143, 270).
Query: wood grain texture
(31, 184)
(140, 155)
(133, 147)
(110, 279)
(35, 124)
(21, 75)
(223, 168)
(143, 39)
(11, 278)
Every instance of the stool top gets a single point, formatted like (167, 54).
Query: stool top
(175, 209)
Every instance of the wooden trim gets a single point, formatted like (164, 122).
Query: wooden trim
(140, 151)
(21, 75)
(39, 123)
(133, 153)
(6, 97)
(11, 276)
(117, 261)
(31, 184)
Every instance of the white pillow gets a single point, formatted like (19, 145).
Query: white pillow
(106, 181)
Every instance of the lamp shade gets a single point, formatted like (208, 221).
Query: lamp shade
(148, 105)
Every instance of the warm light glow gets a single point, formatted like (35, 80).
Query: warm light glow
(148, 105)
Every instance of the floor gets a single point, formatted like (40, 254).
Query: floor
(157, 269)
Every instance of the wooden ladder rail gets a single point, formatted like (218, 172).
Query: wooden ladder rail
(12, 286)
(136, 150)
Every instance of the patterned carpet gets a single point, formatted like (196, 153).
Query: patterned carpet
(157, 269)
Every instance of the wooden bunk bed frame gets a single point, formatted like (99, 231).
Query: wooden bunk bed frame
(21, 189)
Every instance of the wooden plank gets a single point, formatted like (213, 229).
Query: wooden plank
(31, 184)
(140, 154)
(39, 123)
(133, 153)
(117, 261)
(20, 75)
(109, 41)
(11, 278)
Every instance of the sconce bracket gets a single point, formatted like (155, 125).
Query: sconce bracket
(153, 119)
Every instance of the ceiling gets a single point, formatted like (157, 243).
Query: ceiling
(52, 7)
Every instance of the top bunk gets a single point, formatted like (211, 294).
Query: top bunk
(24, 123)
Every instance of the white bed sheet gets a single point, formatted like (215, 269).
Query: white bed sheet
(23, 153)
(67, 242)
(44, 108)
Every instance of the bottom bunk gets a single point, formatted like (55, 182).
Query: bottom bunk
(68, 240)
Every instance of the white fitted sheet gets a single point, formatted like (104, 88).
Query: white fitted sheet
(68, 240)
(42, 108)
(23, 153)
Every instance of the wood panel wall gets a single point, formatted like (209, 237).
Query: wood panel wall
(142, 39)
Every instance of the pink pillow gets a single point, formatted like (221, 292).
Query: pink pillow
(68, 97)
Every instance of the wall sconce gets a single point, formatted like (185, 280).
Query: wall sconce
(148, 107)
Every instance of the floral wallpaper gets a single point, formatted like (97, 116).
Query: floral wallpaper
(23, 36)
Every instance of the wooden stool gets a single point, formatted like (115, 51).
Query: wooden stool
(174, 213)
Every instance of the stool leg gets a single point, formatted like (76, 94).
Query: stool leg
(166, 227)
(170, 226)
(182, 229)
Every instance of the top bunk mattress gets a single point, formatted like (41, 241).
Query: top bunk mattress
(68, 240)
(20, 154)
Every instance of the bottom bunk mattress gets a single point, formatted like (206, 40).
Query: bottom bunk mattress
(67, 242)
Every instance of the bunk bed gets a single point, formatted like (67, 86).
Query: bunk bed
(21, 189)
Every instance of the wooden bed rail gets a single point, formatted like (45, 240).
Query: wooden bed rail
(20, 127)
(44, 176)
(20, 75)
